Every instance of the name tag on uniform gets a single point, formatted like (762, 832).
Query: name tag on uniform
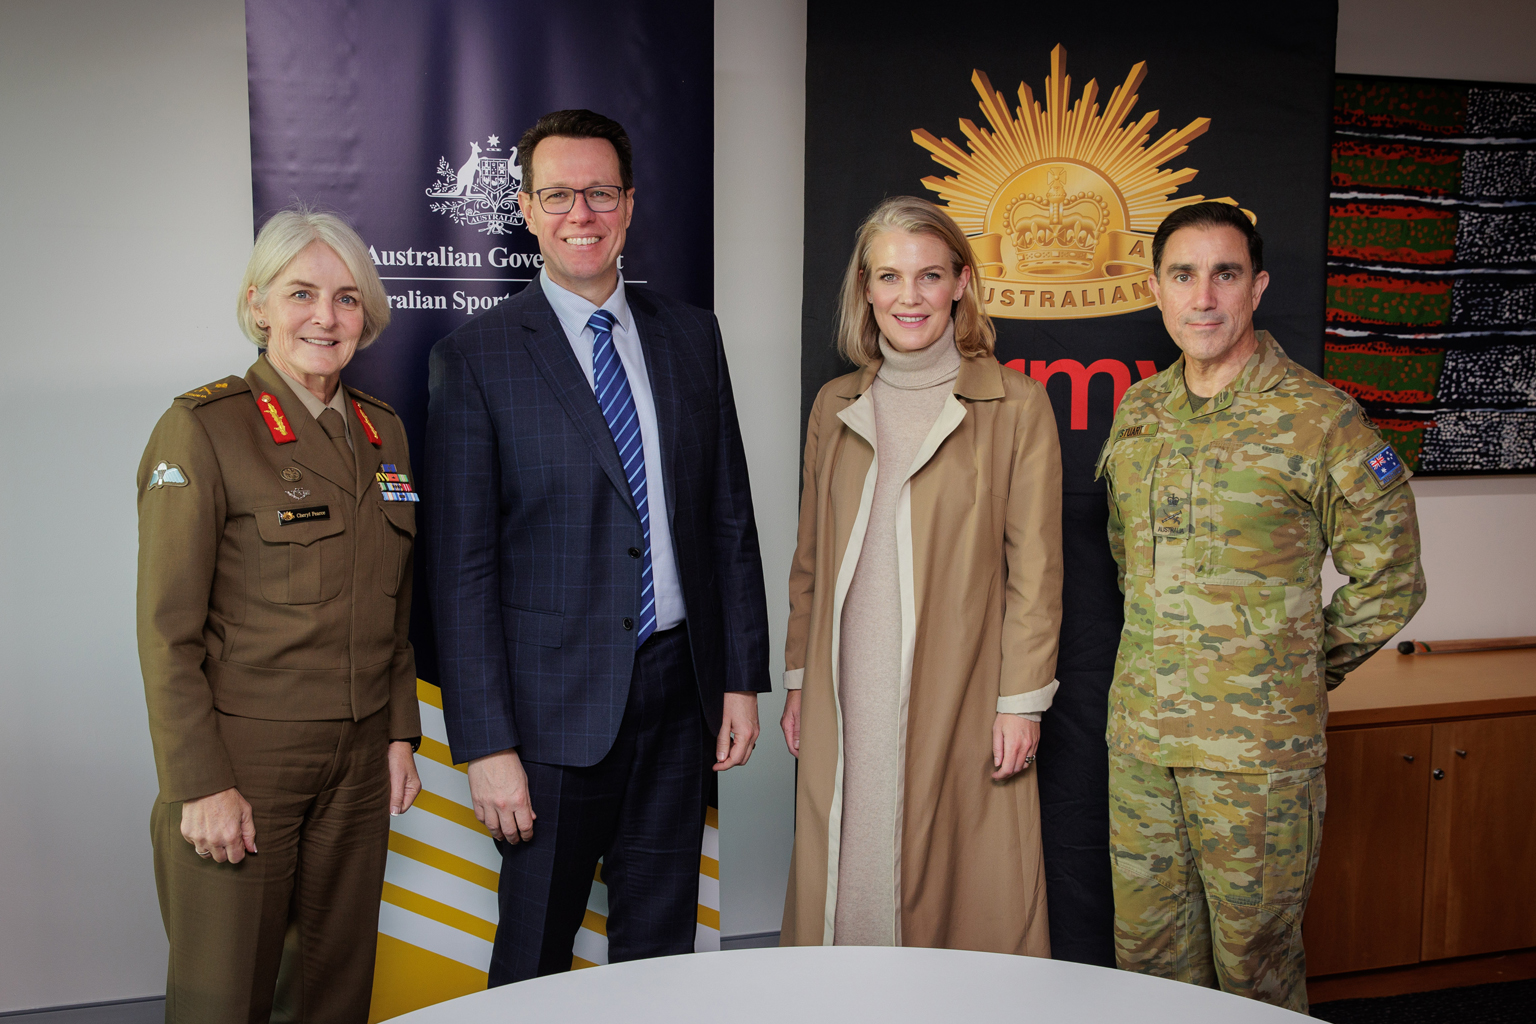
(1140, 430)
(303, 515)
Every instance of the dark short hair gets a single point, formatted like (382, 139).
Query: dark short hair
(1208, 215)
(576, 124)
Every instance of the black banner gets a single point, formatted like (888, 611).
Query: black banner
(404, 115)
(1233, 105)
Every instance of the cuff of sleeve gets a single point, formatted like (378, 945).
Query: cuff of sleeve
(794, 678)
(1033, 702)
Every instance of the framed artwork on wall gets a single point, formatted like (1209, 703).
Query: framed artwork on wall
(1431, 304)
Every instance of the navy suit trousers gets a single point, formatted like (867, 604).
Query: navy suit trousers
(641, 809)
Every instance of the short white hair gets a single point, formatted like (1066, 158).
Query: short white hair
(289, 233)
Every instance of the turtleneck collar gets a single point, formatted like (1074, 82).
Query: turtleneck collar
(925, 368)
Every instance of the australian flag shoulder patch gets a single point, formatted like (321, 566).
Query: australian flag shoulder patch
(1385, 465)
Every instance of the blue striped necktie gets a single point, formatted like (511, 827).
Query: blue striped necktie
(618, 404)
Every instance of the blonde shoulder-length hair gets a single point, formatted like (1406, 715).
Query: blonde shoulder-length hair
(286, 235)
(858, 337)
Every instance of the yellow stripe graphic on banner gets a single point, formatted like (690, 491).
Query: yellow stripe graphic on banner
(454, 812)
(709, 917)
(442, 860)
(429, 694)
(709, 866)
(439, 912)
(712, 818)
(439, 752)
(407, 977)
(594, 922)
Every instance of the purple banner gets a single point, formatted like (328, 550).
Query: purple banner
(404, 116)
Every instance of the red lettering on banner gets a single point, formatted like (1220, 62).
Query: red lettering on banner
(1081, 375)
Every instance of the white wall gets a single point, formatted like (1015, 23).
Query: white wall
(760, 150)
(126, 219)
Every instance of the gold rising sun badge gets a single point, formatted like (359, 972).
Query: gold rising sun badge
(1060, 204)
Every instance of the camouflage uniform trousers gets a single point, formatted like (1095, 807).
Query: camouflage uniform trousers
(1211, 875)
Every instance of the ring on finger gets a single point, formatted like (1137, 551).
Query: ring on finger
(205, 853)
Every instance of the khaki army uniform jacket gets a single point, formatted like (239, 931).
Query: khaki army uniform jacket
(273, 583)
(1219, 521)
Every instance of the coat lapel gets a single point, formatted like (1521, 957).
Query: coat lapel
(551, 352)
(313, 450)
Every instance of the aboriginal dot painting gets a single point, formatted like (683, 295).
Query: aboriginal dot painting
(1432, 268)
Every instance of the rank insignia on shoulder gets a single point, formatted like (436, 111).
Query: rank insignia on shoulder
(368, 428)
(277, 423)
(1140, 430)
(167, 474)
(1385, 465)
(289, 516)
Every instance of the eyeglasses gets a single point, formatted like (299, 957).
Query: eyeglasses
(559, 199)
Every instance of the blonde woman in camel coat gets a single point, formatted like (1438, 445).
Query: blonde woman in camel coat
(976, 527)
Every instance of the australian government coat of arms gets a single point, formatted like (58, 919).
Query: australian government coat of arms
(1060, 203)
(481, 192)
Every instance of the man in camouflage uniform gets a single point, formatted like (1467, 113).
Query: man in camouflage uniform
(1230, 475)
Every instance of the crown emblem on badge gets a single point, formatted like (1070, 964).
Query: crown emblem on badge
(1059, 199)
(1056, 233)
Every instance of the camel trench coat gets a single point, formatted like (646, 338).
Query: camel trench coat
(979, 557)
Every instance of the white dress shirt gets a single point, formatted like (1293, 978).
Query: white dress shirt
(573, 312)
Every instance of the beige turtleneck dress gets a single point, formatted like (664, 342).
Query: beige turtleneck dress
(908, 394)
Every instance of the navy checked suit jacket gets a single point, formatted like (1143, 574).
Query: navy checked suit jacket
(529, 525)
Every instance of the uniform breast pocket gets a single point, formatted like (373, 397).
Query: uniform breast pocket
(305, 557)
(1260, 525)
(399, 536)
(1131, 464)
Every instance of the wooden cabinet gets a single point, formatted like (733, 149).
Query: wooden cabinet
(1429, 839)
(1359, 917)
(1480, 868)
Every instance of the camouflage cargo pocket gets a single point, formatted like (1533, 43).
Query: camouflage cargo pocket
(1293, 834)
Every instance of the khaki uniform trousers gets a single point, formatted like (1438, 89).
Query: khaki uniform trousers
(320, 796)
(1211, 875)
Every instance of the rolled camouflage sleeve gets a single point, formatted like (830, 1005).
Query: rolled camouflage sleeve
(1371, 525)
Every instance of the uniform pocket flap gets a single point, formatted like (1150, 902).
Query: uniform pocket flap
(402, 514)
(297, 524)
(542, 629)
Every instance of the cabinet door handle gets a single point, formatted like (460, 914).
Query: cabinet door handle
(1408, 758)
(1438, 773)
(1461, 753)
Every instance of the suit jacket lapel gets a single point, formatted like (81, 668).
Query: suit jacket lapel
(662, 373)
(313, 450)
(551, 352)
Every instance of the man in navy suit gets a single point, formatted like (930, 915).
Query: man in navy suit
(593, 567)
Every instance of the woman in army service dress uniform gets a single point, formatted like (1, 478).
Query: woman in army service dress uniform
(276, 520)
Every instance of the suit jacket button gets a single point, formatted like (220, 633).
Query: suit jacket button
(629, 623)
(634, 552)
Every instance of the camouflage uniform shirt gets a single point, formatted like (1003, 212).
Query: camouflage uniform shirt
(1219, 520)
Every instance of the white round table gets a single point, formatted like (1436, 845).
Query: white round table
(843, 984)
